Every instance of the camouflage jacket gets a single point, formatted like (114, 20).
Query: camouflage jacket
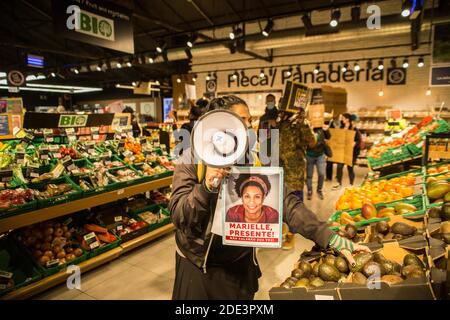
(295, 137)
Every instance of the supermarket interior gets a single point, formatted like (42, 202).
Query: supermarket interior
(231, 150)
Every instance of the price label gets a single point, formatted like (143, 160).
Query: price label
(121, 145)
(119, 228)
(24, 144)
(6, 275)
(120, 191)
(95, 130)
(132, 221)
(92, 151)
(49, 139)
(6, 175)
(44, 156)
(70, 131)
(20, 157)
(56, 155)
(117, 218)
(29, 137)
(96, 136)
(47, 132)
(52, 263)
(132, 158)
(91, 240)
(53, 148)
(143, 141)
(127, 153)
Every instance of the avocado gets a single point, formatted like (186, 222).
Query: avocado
(329, 259)
(412, 271)
(378, 257)
(341, 264)
(286, 285)
(316, 282)
(382, 227)
(360, 261)
(408, 271)
(446, 238)
(434, 212)
(371, 269)
(412, 259)
(391, 279)
(302, 283)
(297, 273)
(329, 272)
(387, 267)
(403, 229)
(306, 268)
(438, 189)
(359, 278)
(316, 269)
(291, 280)
(445, 212)
(350, 231)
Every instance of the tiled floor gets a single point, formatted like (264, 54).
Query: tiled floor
(149, 272)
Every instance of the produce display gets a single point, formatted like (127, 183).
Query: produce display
(122, 175)
(53, 190)
(438, 191)
(148, 170)
(383, 231)
(128, 225)
(51, 243)
(379, 191)
(15, 197)
(92, 236)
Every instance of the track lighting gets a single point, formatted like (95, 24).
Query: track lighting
(191, 40)
(345, 67)
(261, 73)
(405, 63)
(268, 29)
(289, 72)
(161, 46)
(420, 62)
(235, 33)
(357, 67)
(178, 80)
(306, 19)
(335, 16)
(316, 69)
(235, 75)
(380, 65)
(406, 8)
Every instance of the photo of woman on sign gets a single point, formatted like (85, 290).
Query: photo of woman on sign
(252, 189)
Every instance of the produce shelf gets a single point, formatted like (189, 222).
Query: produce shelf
(60, 277)
(394, 163)
(44, 214)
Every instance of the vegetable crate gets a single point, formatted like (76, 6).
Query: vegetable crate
(17, 209)
(104, 248)
(154, 208)
(75, 194)
(123, 184)
(17, 261)
(167, 173)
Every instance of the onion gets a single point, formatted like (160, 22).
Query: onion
(77, 252)
(48, 231)
(67, 235)
(58, 232)
(49, 254)
(46, 246)
(48, 238)
(57, 249)
(61, 254)
(65, 228)
(43, 260)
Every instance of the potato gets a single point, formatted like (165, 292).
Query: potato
(48, 231)
(70, 257)
(65, 228)
(78, 252)
(46, 246)
(67, 234)
(61, 254)
(69, 250)
(57, 249)
(43, 260)
(48, 238)
(49, 254)
(58, 232)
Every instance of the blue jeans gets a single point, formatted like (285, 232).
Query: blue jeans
(310, 163)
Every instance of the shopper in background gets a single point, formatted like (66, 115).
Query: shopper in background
(315, 156)
(333, 123)
(135, 126)
(267, 122)
(207, 269)
(347, 123)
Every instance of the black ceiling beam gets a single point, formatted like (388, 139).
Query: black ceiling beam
(230, 5)
(42, 13)
(54, 51)
(175, 12)
(202, 13)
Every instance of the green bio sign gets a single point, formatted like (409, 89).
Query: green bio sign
(89, 23)
(72, 120)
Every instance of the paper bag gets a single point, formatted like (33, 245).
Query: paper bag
(341, 143)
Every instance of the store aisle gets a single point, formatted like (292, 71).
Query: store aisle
(149, 272)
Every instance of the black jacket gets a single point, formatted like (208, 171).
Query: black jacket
(192, 207)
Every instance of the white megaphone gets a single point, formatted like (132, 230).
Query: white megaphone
(219, 139)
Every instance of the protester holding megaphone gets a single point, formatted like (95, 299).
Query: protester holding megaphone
(205, 268)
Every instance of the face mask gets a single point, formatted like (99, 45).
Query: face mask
(270, 105)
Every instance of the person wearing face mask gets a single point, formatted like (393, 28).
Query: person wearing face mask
(267, 122)
(347, 120)
(205, 268)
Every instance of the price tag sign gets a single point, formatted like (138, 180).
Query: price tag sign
(5, 274)
(121, 145)
(6, 175)
(32, 171)
(20, 157)
(127, 153)
(29, 137)
(91, 240)
(52, 263)
(119, 228)
(68, 164)
(70, 131)
(143, 141)
(117, 218)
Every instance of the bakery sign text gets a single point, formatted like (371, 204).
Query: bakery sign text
(279, 76)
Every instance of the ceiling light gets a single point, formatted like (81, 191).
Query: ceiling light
(129, 64)
(289, 72)
(191, 40)
(406, 8)
(99, 67)
(188, 53)
(335, 16)
(208, 76)
(357, 67)
(260, 96)
(194, 78)
(268, 29)
(261, 73)
(344, 67)
(52, 74)
(428, 93)
(420, 62)
(134, 84)
(235, 33)
(380, 65)
(76, 71)
(381, 93)
(316, 69)
(151, 60)
(178, 80)
(119, 64)
(235, 75)
(157, 82)
(405, 63)
(306, 19)
(161, 46)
